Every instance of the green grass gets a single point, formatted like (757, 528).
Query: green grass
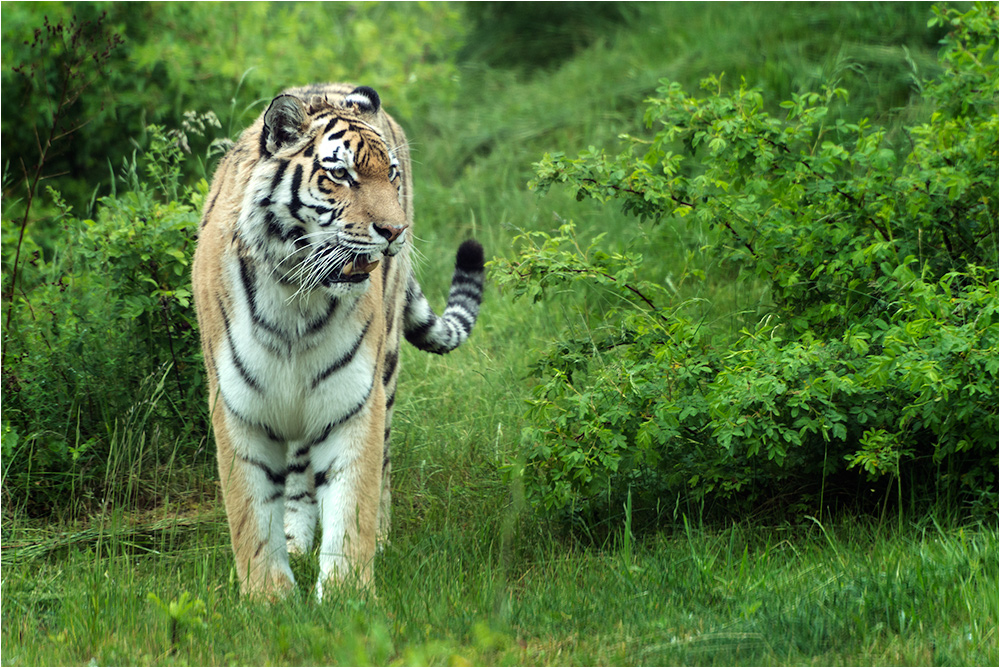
(471, 575)
(463, 592)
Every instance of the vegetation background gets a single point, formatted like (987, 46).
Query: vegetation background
(545, 513)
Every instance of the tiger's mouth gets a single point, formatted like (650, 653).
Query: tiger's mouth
(355, 270)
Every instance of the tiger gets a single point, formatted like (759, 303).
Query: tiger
(302, 283)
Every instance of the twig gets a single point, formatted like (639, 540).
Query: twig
(638, 193)
(627, 286)
(679, 202)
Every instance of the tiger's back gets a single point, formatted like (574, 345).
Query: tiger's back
(303, 286)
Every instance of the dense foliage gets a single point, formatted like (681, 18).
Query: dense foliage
(167, 59)
(102, 323)
(114, 115)
(874, 352)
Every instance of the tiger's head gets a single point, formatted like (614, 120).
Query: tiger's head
(326, 202)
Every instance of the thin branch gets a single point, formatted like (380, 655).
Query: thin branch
(46, 177)
(637, 193)
(73, 129)
(850, 198)
(649, 302)
(681, 202)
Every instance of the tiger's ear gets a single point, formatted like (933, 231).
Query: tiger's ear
(364, 100)
(284, 122)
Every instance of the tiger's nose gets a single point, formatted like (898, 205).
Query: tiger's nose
(389, 232)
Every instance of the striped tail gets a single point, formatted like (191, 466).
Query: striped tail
(443, 334)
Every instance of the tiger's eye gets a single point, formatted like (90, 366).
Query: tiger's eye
(339, 173)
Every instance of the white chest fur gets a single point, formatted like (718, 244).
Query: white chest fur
(294, 365)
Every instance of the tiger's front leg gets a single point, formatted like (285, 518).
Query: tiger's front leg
(348, 483)
(252, 471)
(300, 499)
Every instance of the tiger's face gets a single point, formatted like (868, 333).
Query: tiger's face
(331, 205)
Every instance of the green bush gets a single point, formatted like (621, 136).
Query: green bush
(875, 351)
(156, 62)
(99, 323)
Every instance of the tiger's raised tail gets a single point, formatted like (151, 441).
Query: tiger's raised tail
(434, 334)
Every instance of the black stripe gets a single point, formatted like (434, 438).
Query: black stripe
(262, 141)
(321, 477)
(467, 278)
(389, 365)
(270, 433)
(347, 416)
(386, 263)
(279, 174)
(399, 144)
(354, 411)
(471, 291)
(237, 362)
(274, 228)
(338, 212)
(419, 332)
(248, 280)
(321, 322)
(465, 320)
(344, 360)
(296, 203)
(358, 128)
(249, 283)
(323, 435)
(208, 209)
(465, 294)
(220, 175)
(271, 225)
(275, 477)
(241, 526)
(466, 303)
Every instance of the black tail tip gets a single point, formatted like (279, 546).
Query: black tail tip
(469, 256)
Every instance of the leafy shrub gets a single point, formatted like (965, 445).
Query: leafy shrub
(171, 58)
(875, 353)
(59, 83)
(99, 319)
